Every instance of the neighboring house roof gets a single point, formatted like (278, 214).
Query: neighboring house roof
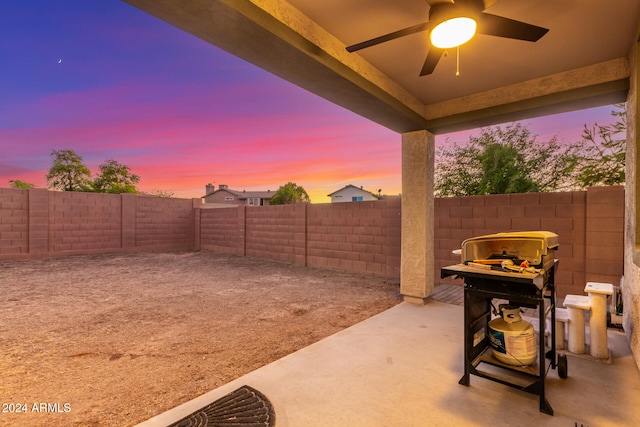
(354, 187)
(260, 194)
(241, 194)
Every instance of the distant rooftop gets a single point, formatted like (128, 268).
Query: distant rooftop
(240, 194)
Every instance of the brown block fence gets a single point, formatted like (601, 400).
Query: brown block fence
(362, 237)
(38, 222)
(589, 225)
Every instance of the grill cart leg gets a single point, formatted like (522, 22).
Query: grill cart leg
(464, 380)
(545, 408)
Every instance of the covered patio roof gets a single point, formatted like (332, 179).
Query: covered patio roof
(589, 57)
(581, 62)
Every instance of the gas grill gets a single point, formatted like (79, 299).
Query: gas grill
(518, 268)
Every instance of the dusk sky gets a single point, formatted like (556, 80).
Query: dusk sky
(112, 82)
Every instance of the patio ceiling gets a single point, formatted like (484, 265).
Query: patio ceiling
(581, 62)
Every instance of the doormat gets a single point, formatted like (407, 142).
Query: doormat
(245, 406)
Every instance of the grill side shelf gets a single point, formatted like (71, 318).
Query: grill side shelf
(464, 271)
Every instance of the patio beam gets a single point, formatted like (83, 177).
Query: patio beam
(592, 86)
(279, 39)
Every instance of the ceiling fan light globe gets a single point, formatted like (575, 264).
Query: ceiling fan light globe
(453, 32)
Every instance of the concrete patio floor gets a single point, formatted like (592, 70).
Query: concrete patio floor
(401, 368)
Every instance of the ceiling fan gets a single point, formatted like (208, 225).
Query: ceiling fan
(454, 22)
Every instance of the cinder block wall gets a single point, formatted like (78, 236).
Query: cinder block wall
(222, 230)
(589, 224)
(362, 236)
(604, 246)
(38, 222)
(277, 232)
(459, 218)
(80, 222)
(164, 223)
(14, 222)
(365, 236)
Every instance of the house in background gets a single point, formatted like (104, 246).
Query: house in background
(226, 196)
(351, 193)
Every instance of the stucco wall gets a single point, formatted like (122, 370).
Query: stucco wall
(631, 290)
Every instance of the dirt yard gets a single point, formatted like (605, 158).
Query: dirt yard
(111, 340)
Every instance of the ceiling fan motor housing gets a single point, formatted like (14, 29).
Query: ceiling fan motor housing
(441, 12)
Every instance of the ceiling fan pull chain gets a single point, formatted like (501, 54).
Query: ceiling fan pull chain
(458, 61)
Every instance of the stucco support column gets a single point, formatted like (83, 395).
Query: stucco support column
(417, 253)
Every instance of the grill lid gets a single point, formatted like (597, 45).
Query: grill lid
(523, 245)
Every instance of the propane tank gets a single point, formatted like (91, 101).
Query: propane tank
(513, 340)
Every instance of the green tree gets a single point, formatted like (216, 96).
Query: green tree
(600, 158)
(288, 194)
(115, 178)
(503, 171)
(501, 160)
(67, 172)
(161, 193)
(21, 185)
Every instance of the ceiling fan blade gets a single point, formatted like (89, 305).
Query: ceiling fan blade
(432, 2)
(432, 60)
(391, 36)
(499, 26)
